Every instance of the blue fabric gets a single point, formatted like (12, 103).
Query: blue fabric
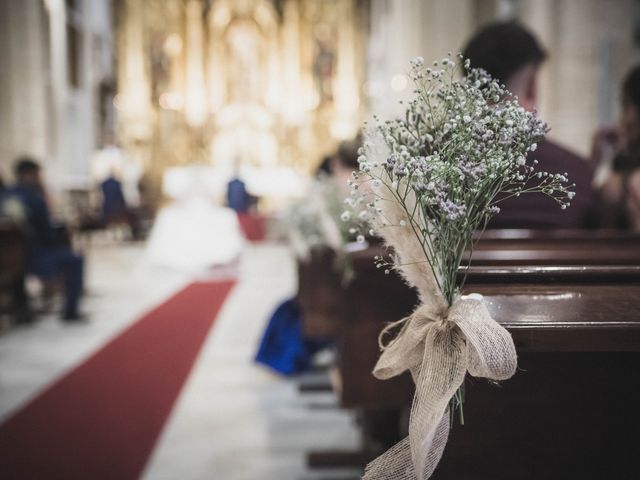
(282, 347)
(52, 262)
(45, 258)
(113, 201)
(41, 233)
(237, 196)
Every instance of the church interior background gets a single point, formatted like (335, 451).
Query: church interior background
(252, 85)
(178, 97)
(268, 87)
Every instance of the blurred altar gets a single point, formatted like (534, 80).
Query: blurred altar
(251, 87)
(263, 88)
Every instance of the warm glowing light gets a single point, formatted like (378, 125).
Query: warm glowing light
(313, 101)
(173, 45)
(195, 102)
(171, 101)
(221, 17)
(399, 82)
(343, 129)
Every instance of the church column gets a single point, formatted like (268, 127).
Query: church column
(133, 100)
(345, 122)
(24, 127)
(404, 29)
(195, 108)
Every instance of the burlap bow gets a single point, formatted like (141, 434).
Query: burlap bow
(438, 346)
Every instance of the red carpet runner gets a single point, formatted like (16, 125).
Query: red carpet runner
(101, 421)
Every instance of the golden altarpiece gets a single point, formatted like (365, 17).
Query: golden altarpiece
(264, 83)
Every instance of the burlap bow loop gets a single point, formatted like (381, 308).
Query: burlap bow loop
(407, 348)
(492, 353)
(438, 347)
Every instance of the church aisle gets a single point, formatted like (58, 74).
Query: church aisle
(233, 420)
(236, 420)
(121, 287)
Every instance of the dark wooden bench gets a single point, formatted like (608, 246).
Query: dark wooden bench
(557, 247)
(569, 412)
(13, 257)
(576, 318)
(325, 301)
(352, 316)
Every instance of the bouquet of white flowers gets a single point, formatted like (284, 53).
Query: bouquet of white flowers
(321, 222)
(429, 181)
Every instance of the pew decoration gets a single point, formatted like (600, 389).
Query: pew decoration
(320, 221)
(427, 182)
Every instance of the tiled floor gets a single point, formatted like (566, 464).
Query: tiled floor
(234, 420)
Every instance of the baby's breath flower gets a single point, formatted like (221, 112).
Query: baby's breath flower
(460, 149)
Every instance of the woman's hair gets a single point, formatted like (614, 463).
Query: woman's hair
(631, 88)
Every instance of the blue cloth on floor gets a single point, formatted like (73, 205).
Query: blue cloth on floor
(282, 347)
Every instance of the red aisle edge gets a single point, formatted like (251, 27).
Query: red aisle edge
(101, 420)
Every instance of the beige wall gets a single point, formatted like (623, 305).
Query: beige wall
(41, 113)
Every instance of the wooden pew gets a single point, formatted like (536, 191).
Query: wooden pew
(326, 302)
(570, 410)
(13, 257)
(347, 315)
(557, 247)
(597, 293)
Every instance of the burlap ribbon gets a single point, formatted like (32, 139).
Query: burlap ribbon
(438, 346)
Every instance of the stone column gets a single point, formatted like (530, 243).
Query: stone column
(404, 29)
(24, 126)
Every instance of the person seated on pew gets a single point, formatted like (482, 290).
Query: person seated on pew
(47, 256)
(512, 55)
(616, 154)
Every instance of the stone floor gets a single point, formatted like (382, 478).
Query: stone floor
(234, 420)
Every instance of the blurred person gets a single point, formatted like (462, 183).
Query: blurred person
(193, 232)
(324, 168)
(616, 154)
(345, 161)
(243, 203)
(238, 198)
(114, 205)
(513, 56)
(47, 256)
(314, 225)
(112, 158)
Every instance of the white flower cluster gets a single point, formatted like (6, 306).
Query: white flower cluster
(325, 219)
(460, 149)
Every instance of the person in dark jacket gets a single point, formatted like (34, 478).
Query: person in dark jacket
(47, 258)
(237, 196)
(114, 205)
(115, 208)
(512, 55)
